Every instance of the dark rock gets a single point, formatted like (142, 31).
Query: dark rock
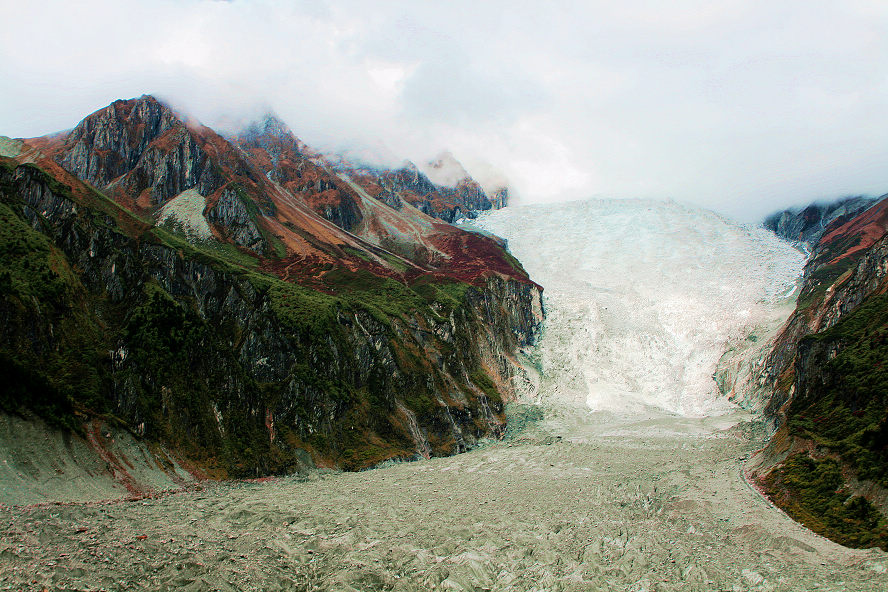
(231, 212)
(807, 225)
(137, 145)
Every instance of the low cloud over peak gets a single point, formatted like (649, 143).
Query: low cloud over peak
(740, 106)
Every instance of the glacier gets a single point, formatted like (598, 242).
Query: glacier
(642, 298)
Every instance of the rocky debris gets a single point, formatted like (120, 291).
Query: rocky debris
(184, 213)
(44, 465)
(10, 147)
(642, 511)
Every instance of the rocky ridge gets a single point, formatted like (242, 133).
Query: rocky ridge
(806, 225)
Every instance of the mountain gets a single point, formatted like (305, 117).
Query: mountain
(825, 384)
(240, 307)
(806, 225)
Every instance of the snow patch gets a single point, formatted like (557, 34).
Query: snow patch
(185, 212)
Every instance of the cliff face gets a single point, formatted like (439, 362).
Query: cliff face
(841, 272)
(827, 465)
(279, 342)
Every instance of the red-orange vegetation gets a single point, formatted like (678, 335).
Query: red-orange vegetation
(869, 226)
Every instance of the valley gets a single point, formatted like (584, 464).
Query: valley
(580, 494)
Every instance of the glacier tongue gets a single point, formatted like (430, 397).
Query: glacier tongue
(643, 297)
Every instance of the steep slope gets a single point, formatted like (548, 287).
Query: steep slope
(827, 465)
(279, 341)
(291, 165)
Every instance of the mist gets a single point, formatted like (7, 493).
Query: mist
(742, 107)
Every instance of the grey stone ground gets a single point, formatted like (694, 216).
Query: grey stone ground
(569, 504)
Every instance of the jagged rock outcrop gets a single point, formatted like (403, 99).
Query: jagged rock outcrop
(806, 225)
(409, 184)
(455, 183)
(231, 212)
(499, 198)
(469, 194)
(105, 145)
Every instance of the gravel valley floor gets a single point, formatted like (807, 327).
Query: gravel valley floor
(576, 502)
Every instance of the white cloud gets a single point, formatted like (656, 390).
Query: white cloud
(743, 106)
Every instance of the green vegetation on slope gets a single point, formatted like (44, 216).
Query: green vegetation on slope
(41, 303)
(841, 404)
(811, 491)
(175, 373)
(848, 412)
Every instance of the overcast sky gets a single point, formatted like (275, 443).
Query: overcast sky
(741, 106)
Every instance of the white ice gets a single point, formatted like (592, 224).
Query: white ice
(643, 297)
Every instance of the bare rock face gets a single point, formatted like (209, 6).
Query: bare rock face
(139, 145)
(468, 194)
(231, 212)
(499, 198)
(408, 178)
(110, 142)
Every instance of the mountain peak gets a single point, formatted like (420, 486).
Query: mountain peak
(134, 145)
(271, 133)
